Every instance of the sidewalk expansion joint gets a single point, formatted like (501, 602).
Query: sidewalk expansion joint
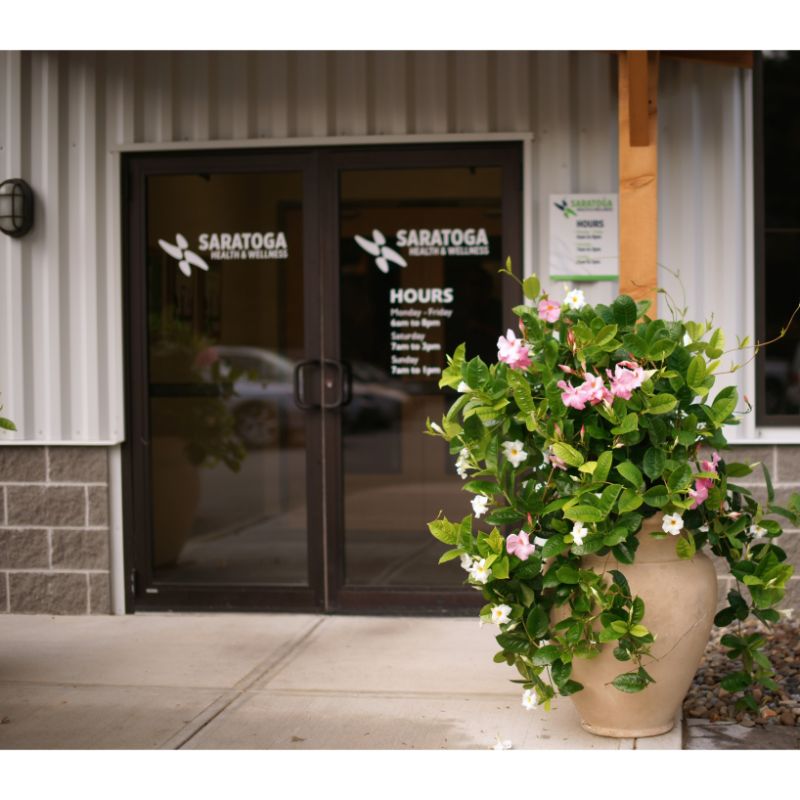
(261, 670)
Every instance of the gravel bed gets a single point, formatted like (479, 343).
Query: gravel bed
(708, 700)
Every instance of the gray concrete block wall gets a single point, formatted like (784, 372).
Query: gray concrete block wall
(54, 547)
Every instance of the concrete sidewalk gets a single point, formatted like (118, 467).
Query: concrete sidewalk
(277, 681)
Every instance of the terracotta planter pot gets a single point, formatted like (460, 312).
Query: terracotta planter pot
(680, 599)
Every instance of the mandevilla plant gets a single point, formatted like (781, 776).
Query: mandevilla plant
(592, 420)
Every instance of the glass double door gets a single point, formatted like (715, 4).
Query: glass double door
(290, 314)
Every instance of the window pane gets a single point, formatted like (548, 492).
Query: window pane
(781, 361)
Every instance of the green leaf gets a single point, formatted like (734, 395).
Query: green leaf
(638, 610)
(537, 622)
(488, 488)
(724, 617)
(7, 424)
(545, 655)
(617, 535)
(531, 287)
(768, 481)
(603, 467)
(628, 425)
(629, 682)
(569, 687)
(504, 516)
(639, 630)
(724, 404)
(685, 546)
(631, 473)
(609, 497)
(476, 373)
(444, 530)
(620, 580)
(567, 574)
(653, 463)
(568, 454)
(696, 372)
(514, 642)
(618, 626)
(737, 470)
(584, 513)
(680, 479)
(496, 541)
(500, 568)
(736, 681)
(660, 349)
(624, 309)
(450, 555)
(656, 496)
(629, 501)
(661, 404)
(604, 335)
(553, 546)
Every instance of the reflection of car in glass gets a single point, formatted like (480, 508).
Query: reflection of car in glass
(263, 400)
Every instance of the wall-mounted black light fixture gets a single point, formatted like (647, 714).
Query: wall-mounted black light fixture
(16, 207)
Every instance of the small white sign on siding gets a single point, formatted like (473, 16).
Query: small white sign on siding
(584, 237)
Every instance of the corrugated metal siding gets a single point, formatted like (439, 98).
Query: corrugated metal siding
(64, 116)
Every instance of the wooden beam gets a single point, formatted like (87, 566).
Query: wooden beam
(638, 187)
(637, 98)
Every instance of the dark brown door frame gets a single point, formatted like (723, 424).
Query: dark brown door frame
(324, 483)
(508, 155)
(143, 591)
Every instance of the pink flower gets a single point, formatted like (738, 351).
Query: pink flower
(628, 375)
(572, 396)
(549, 311)
(594, 390)
(711, 466)
(699, 493)
(513, 351)
(520, 546)
(702, 485)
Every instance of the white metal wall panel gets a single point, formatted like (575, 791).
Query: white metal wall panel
(64, 117)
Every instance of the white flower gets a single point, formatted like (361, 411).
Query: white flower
(539, 542)
(758, 531)
(579, 532)
(466, 561)
(480, 503)
(514, 453)
(480, 572)
(462, 387)
(528, 700)
(500, 614)
(437, 428)
(672, 523)
(703, 528)
(575, 299)
(502, 744)
(462, 463)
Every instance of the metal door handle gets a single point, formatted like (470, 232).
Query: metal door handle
(345, 381)
(299, 384)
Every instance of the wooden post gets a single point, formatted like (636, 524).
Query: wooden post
(638, 174)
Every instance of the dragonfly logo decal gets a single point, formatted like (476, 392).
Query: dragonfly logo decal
(180, 251)
(378, 248)
(565, 209)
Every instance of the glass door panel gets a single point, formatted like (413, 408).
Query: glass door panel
(419, 253)
(225, 331)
